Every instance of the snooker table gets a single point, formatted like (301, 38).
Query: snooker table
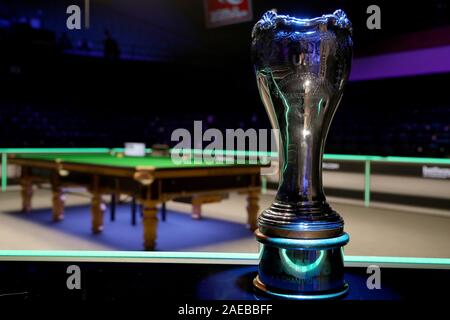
(152, 180)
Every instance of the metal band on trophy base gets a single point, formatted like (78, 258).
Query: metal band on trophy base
(298, 296)
(301, 68)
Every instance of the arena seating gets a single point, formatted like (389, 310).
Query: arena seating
(34, 126)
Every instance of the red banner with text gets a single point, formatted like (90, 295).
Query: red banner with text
(225, 12)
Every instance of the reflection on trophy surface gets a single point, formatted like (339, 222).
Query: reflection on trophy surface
(301, 68)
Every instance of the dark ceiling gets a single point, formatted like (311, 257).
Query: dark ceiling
(178, 26)
(397, 18)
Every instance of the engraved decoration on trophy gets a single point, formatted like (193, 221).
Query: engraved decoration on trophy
(302, 66)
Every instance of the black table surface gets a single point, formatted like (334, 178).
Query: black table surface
(111, 281)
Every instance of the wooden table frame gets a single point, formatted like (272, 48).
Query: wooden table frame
(149, 185)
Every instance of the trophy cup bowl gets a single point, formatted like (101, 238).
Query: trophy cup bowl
(301, 68)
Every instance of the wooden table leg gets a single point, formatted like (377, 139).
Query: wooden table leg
(199, 200)
(113, 207)
(163, 211)
(58, 203)
(97, 210)
(27, 194)
(133, 211)
(252, 209)
(150, 222)
(196, 210)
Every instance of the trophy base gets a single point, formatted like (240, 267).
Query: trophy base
(305, 269)
(259, 286)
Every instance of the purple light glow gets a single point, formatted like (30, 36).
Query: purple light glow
(402, 64)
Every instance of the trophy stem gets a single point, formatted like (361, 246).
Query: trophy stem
(301, 158)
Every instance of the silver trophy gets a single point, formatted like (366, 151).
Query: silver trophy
(301, 67)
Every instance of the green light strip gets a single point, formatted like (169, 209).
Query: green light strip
(386, 159)
(367, 184)
(201, 255)
(55, 150)
(349, 157)
(4, 171)
(127, 254)
(236, 153)
(398, 260)
(345, 157)
(417, 160)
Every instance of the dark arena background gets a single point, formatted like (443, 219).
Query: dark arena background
(59, 91)
(134, 72)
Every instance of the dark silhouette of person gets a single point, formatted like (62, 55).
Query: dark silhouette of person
(84, 45)
(64, 42)
(110, 47)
